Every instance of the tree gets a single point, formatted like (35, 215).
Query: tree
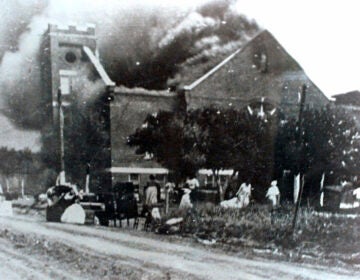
(232, 139)
(258, 149)
(170, 139)
(86, 142)
(328, 144)
(210, 138)
(21, 166)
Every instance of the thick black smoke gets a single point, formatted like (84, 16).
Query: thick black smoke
(140, 45)
(160, 47)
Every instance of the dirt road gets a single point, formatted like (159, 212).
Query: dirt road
(33, 249)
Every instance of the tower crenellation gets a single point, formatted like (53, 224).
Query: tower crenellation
(73, 29)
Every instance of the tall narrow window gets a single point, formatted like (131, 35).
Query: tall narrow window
(66, 77)
(65, 85)
(263, 63)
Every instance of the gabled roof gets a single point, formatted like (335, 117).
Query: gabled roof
(220, 65)
(261, 68)
(212, 71)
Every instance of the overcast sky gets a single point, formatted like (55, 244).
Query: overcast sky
(323, 36)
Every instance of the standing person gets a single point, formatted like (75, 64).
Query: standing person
(273, 194)
(192, 183)
(169, 188)
(188, 192)
(152, 197)
(185, 199)
(244, 194)
(152, 191)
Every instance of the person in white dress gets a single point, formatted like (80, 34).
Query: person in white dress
(244, 194)
(273, 194)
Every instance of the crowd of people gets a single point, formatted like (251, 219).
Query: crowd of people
(241, 198)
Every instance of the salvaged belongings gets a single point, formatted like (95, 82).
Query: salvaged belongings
(350, 197)
(241, 200)
(59, 199)
(171, 226)
(74, 214)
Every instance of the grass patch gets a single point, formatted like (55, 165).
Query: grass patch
(256, 227)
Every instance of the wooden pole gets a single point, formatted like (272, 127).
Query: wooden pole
(62, 145)
(87, 179)
(298, 202)
(22, 187)
(167, 200)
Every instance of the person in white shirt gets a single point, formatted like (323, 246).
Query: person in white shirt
(192, 183)
(273, 194)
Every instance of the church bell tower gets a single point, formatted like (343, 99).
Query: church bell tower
(70, 63)
(63, 61)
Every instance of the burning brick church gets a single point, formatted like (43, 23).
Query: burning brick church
(260, 75)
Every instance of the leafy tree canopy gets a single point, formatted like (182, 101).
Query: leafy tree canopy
(329, 142)
(258, 149)
(210, 138)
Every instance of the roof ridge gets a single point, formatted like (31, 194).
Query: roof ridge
(98, 66)
(221, 64)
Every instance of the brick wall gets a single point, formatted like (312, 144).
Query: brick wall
(128, 111)
(262, 68)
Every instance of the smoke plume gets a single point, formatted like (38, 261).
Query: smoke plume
(141, 44)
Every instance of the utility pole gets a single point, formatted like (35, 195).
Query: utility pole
(62, 179)
(298, 202)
